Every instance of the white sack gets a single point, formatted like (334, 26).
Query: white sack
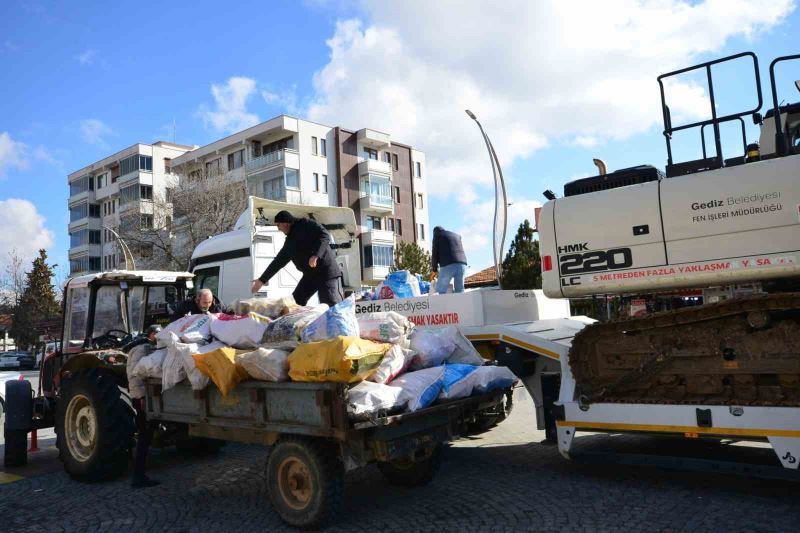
(265, 365)
(150, 365)
(369, 398)
(270, 307)
(464, 353)
(432, 348)
(488, 378)
(458, 381)
(172, 371)
(388, 327)
(420, 388)
(239, 331)
(191, 328)
(394, 363)
(338, 321)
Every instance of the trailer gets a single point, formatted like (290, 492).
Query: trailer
(312, 442)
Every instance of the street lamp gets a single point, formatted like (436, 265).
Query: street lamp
(500, 201)
(130, 264)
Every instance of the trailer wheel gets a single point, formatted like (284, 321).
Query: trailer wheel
(94, 426)
(305, 480)
(410, 473)
(16, 447)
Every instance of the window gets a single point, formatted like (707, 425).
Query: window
(370, 153)
(77, 238)
(102, 180)
(129, 194)
(78, 212)
(420, 204)
(387, 157)
(114, 173)
(379, 189)
(390, 224)
(94, 210)
(421, 234)
(213, 167)
(255, 149)
(94, 263)
(195, 174)
(146, 221)
(94, 236)
(378, 255)
(395, 164)
(396, 194)
(167, 165)
(274, 189)
(146, 163)
(374, 223)
(288, 142)
(419, 169)
(399, 227)
(325, 183)
(146, 192)
(323, 148)
(207, 278)
(316, 182)
(80, 185)
(134, 163)
(168, 192)
(314, 146)
(292, 178)
(146, 250)
(236, 159)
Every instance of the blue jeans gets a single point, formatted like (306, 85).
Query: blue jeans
(453, 271)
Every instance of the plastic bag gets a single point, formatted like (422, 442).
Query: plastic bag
(221, 367)
(424, 286)
(384, 292)
(150, 365)
(172, 371)
(458, 381)
(420, 388)
(489, 378)
(388, 327)
(368, 398)
(395, 361)
(283, 328)
(464, 353)
(240, 331)
(341, 360)
(264, 364)
(403, 284)
(197, 379)
(269, 307)
(432, 348)
(338, 321)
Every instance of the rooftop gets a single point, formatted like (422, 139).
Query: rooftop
(485, 278)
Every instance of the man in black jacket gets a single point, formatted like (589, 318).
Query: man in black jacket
(308, 246)
(448, 253)
(202, 303)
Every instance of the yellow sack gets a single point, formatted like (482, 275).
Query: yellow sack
(219, 365)
(342, 360)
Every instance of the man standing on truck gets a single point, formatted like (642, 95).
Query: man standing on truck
(448, 253)
(144, 428)
(308, 246)
(202, 303)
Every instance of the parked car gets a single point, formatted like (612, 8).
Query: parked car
(17, 360)
(6, 376)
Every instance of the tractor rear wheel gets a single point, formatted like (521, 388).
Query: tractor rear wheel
(94, 426)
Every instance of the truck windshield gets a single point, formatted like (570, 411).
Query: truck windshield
(110, 310)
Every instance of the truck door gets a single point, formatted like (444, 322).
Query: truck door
(601, 238)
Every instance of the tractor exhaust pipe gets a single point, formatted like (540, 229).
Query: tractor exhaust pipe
(601, 166)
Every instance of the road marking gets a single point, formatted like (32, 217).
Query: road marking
(681, 429)
(9, 478)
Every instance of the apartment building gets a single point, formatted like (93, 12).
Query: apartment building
(114, 189)
(298, 161)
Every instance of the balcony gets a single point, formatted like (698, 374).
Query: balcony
(286, 157)
(84, 223)
(375, 274)
(373, 139)
(377, 236)
(85, 249)
(379, 204)
(373, 165)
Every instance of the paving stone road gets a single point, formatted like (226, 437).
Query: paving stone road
(501, 481)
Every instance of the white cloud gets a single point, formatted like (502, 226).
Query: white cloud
(86, 57)
(534, 72)
(94, 131)
(13, 154)
(26, 230)
(231, 113)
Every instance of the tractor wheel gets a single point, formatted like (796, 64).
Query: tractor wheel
(305, 480)
(94, 426)
(410, 473)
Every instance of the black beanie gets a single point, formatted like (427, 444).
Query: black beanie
(284, 217)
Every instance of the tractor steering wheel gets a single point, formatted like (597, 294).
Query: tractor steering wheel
(111, 339)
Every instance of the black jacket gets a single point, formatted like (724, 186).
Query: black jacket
(446, 249)
(306, 238)
(189, 307)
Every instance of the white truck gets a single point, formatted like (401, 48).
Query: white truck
(724, 371)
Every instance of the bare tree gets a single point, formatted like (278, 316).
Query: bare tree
(12, 280)
(164, 233)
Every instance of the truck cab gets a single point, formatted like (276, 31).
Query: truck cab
(229, 262)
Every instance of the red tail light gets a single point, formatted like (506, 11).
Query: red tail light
(547, 263)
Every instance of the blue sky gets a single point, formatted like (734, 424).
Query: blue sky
(554, 84)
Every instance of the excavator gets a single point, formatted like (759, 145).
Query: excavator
(723, 219)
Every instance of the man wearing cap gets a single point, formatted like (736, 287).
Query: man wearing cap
(136, 390)
(308, 246)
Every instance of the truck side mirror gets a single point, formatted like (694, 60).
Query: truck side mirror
(757, 118)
